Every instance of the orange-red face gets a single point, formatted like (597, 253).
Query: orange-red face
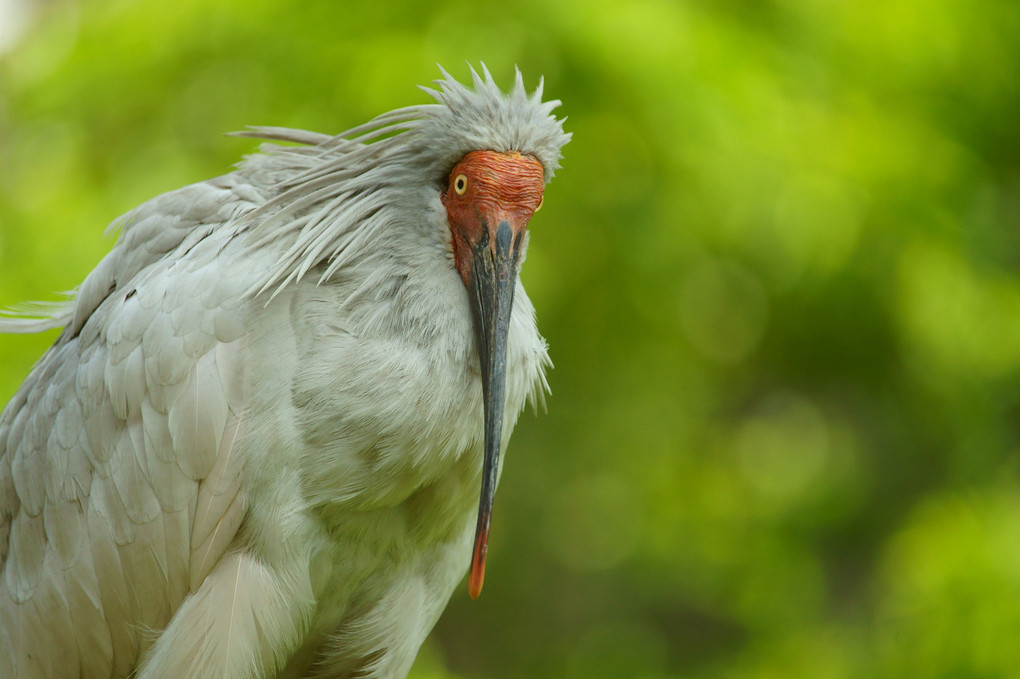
(484, 189)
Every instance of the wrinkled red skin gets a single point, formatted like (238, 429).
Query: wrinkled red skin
(499, 186)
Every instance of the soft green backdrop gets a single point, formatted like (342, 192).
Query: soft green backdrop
(778, 272)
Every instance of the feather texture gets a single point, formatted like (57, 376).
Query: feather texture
(255, 449)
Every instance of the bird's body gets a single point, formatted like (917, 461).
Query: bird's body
(256, 448)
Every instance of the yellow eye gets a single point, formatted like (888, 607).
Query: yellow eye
(460, 184)
(541, 202)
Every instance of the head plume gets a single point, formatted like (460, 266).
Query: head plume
(487, 119)
(330, 200)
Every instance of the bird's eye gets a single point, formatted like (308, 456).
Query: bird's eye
(541, 202)
(460, 184)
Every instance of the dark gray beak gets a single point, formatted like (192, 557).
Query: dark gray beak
(494, 275)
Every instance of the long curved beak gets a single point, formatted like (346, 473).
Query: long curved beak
(494, 275)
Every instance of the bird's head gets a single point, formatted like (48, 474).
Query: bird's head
(489, 198)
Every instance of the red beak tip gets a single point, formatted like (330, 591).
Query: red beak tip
(475, 581)
(477, 576)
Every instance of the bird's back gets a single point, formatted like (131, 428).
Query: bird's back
(116, 492)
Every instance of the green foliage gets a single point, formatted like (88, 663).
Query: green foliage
(778, 272)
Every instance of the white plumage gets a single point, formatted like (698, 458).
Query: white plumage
(256, 448)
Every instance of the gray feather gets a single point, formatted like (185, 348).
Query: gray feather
(210, 473)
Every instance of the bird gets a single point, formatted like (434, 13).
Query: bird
(267, 439)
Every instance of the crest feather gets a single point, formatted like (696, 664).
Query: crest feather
(363, 181)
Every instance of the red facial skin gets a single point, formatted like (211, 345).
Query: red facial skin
(498, 186)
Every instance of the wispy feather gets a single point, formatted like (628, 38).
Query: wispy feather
(357, 182)
(335, 193)
(30, 317)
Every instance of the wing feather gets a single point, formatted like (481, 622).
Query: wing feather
(148, 595)
(133, 487)
(112, 584)
(50, 606)
(24, 561)
(197, 420)
(120, 473)
(29, 661)
(64, 523)
(92, 637)
(220, 507)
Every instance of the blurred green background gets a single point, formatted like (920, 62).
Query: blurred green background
(778, 273)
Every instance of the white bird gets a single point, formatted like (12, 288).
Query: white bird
(256, 448)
